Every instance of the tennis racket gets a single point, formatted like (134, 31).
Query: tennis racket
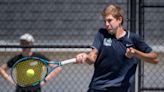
(30, 71)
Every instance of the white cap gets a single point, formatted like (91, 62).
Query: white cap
(27, 37)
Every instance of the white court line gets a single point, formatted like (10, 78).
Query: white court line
(156, 48)
(47, 49)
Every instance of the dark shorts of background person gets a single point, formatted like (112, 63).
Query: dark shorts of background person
(111, 89)
(28, 89)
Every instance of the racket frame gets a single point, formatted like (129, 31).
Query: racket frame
(46, 63)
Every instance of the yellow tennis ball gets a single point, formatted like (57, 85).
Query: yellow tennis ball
(30, 73)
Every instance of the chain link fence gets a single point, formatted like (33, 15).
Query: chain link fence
(152, 75)
(52, 22)
(55, 24)
(72, 24)
(72, 78)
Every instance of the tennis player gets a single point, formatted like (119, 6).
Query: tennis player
(115, 54)
(26, 40)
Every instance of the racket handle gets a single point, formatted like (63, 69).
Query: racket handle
(73, 60)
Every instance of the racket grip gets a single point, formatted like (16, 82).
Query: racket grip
(73, 60)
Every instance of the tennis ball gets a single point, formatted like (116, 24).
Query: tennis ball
(30, 73)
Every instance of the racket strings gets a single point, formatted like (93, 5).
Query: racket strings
(20, 72)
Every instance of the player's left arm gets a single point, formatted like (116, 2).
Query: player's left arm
(150, 57)
(54, 73)
(142, 50)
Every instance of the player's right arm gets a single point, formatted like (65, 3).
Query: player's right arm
(4, 73)
(89, 58)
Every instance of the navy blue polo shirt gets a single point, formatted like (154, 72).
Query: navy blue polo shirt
(112, 67)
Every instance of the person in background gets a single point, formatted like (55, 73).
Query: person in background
(26, 40)
(115, 54)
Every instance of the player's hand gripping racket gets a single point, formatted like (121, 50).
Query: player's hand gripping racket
(30, 71)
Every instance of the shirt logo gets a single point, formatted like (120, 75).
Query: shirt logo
(107, 42)
(129, 45)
